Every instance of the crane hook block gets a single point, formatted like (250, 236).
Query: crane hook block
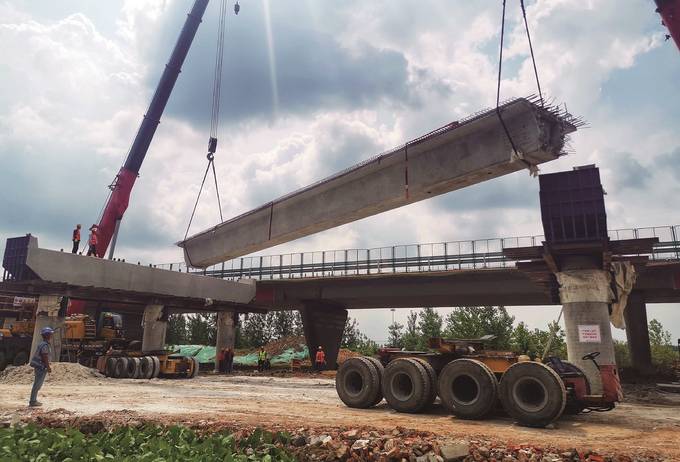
(212, 145)
(237, 8)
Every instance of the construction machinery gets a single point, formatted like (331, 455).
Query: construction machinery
(16, 334)
(102, 344)
(471, 381)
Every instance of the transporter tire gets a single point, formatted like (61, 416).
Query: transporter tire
(145, 367)
(134, 368)
(433, 380)
(3, 361)
(468, 388)
(406, 385)
(110, 366)
(194, 367)
(20, 358)
(574, 407)
(381, 372)
(156, 367)
(532, 393)
(358, 383)
(120, 368)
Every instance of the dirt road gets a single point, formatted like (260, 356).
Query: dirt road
(312, 402)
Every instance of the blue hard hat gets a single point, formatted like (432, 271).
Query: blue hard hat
(46, 331)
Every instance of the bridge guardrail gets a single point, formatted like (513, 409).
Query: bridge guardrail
(476, 254)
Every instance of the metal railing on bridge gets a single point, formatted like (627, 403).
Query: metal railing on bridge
(443, 256)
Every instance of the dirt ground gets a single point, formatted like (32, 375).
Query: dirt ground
(632, 428)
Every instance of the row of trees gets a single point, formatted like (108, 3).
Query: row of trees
(256, 330)
(474, 322)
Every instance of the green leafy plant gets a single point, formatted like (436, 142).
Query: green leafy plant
(146, 444)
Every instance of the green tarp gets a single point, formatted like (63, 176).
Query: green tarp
(206, 354)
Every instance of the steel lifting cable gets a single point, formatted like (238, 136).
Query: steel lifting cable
(214, 116)
(533, 170)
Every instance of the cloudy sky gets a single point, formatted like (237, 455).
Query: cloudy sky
(311, 87)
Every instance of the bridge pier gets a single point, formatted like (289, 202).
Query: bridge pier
(155, 325)
(323, 324)
(226, 333)
(49, 313)
(637, 333)
(584, 292)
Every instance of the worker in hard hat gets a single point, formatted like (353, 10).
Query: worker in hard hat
(40, 362)
(320, 359)
(76, 239)
(92, 241)
(262, 360)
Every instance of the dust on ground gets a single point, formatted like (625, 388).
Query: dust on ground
(311, 403)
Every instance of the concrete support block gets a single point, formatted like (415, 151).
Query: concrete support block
(324, 324)
(585, 295)
(637, 333)
(226, 333)
(155, 324)
(49, 313)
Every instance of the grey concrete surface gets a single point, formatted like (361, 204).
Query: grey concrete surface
(155, 324)
(226, 333)
(67, 268)
(47, 315)
(450, 158)
(637, 333)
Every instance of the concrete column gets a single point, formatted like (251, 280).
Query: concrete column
(637, 333)
(155, 324)
(324, 324)
(47, 314)
(226, 333)
(584, 292)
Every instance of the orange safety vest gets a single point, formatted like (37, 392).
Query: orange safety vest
(93, 238)
(76, 235)
(320, 356)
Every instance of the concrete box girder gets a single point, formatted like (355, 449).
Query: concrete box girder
(453, 157)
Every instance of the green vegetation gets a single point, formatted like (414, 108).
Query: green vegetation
(152, 444)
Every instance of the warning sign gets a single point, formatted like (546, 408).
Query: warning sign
(589, 333)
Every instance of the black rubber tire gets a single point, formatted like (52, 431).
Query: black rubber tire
(145, 367)
(120, 368)
(381, 372)
(406, 385)
(468, 388)
(134, 368)
(532, 393)
(358, 383)
(195, 367)
(20, 358)
(433, 380)
(110, 366)
(156, 367)
(3, 361)
(574, 407)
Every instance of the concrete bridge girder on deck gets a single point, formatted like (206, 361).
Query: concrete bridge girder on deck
(450, 158)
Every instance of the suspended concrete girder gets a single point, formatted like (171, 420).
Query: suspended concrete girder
(455, 156)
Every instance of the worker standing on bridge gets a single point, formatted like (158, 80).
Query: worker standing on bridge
(41, 363)
(76, 239)
(320, 359)
(261, 360)
(92, 241)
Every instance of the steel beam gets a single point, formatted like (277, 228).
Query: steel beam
(453, 157)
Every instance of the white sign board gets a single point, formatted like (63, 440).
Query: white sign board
(589, 333)
(19, 301)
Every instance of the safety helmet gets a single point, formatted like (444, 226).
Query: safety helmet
(46, 331)
(320, 347)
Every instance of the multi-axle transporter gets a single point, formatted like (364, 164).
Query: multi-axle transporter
(470, 382)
